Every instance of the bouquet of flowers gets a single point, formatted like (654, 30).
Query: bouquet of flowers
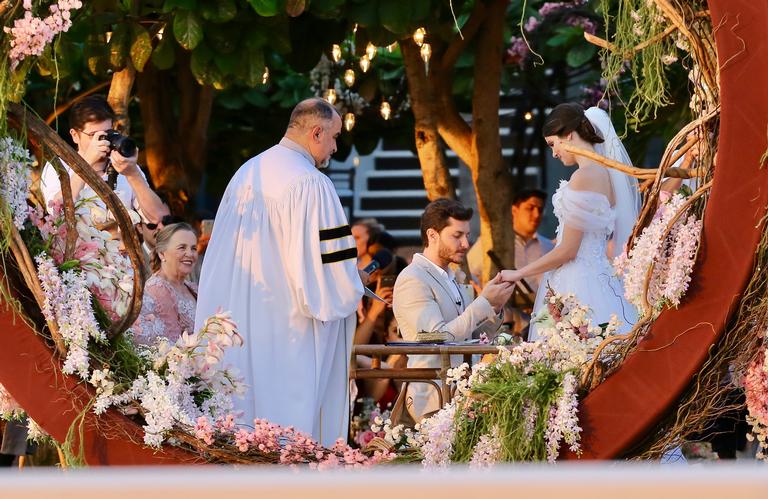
(524, 403)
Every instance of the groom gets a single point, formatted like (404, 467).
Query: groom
(427, 298)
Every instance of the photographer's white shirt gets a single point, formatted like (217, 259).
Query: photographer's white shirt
(51, 187)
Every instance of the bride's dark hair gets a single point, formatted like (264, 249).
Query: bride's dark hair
(567, 118)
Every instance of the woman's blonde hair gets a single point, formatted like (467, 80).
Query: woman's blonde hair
(162, 239)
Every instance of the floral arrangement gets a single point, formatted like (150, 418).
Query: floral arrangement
(106, 271)
(521, 406)
(370, 416)
(9, 408)
(31, 34)
(669, 244)
(15, 161)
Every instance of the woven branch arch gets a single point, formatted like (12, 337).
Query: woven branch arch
(616, 415)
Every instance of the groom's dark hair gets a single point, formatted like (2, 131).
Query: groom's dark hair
(437, 213)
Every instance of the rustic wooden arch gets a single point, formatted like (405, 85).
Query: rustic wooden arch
(625, 407)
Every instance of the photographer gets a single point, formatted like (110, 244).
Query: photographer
(92, 121)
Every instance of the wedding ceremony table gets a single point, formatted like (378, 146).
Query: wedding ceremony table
(430, 375)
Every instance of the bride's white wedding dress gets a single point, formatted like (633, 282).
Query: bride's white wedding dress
(589, 276)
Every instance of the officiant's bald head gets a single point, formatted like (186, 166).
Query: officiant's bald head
(315, 125)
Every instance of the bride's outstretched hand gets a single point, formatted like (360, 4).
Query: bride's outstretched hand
(510, 275)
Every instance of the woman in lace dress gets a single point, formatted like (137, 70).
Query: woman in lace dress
(596, 210)
(168, 308)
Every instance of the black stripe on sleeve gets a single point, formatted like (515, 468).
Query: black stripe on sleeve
(338, 256)
(335, 233)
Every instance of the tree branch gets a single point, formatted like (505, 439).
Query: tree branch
(458, 44)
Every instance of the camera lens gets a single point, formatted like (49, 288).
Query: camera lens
(126, 146)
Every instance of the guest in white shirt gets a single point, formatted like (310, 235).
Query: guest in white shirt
(428, 299)
(90, 119)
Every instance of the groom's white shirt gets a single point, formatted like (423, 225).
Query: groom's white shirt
(427, 298)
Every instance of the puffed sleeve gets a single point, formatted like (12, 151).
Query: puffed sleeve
(323, 271)
(586, 211)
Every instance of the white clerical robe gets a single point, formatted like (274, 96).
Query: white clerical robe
(282, 259)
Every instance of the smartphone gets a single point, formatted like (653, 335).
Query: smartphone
(388, 281)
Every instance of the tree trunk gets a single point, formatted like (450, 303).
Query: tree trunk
(437, 176)
(176, 146)
(120, 96)
(492, 179)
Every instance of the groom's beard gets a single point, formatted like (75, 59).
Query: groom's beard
(451, 256)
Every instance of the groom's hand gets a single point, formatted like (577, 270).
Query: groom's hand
(497, 292)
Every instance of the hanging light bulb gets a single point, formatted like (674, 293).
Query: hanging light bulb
(265, 76)
(330, 96)
(386, 110)
(370, 50)
(426, 54)
(109, 36)
(419, 35)
(365, 63)
(349, 77)
(354, 30)
(349, 122)
(336, 52)
(391, 47)
(528, 116)
(160, 33)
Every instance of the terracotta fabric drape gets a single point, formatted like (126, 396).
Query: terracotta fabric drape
(54, 400)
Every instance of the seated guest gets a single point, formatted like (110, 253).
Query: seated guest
(428, 299)
(148, 231)
(170, 299)
(365, 232)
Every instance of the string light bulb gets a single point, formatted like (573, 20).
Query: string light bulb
(419, 35)
(109, 36)
(365, 63)
(386, 110)
(330, 96)
(160, 33)
(370, 50)
(265, 76)
(349, 122)
(426, 54)
(528, 116)
(336, 52)
(391, 47)
(349, 77)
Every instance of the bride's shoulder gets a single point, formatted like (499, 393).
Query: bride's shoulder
(590, 180)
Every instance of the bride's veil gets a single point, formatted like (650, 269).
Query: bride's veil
(625, 189)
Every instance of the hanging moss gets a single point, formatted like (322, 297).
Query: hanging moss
(630, 23)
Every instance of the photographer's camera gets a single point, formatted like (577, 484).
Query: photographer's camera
(126, 146)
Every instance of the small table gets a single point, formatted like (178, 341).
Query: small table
(414, 374)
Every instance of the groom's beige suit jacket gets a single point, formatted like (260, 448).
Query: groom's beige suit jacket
(424, 301)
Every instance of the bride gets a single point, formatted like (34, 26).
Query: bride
(596, 211)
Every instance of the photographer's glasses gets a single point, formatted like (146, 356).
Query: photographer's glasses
(91, 134)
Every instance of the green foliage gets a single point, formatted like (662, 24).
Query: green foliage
(141, 46)
(504, 401)
(188, 29)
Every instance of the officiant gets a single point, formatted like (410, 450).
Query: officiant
(282, 259)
